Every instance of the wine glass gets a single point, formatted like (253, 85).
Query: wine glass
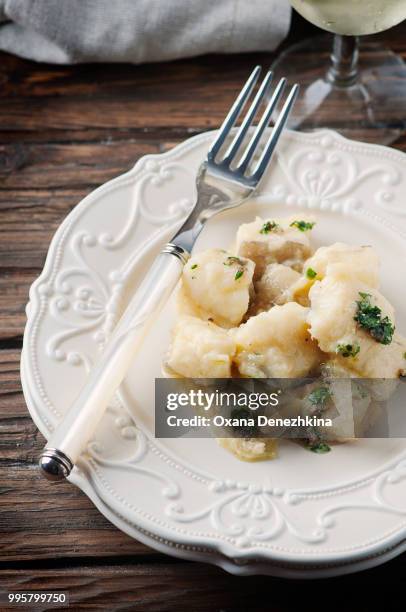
(357, 88)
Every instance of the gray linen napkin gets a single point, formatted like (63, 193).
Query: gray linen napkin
(72, 31)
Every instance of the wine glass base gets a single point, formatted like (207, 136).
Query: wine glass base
(373, 109)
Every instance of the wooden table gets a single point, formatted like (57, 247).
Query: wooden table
(63, 132)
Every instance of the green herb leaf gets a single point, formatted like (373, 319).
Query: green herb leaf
(269, 226)
(303, 226)
(370, 318)
(193, 267)
(231, 260)
(319, 447)
(348, 350)
(234, 260)
(319, 396)
(310, 273)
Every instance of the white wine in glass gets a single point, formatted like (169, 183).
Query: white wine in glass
(352, 17)
(357, 88)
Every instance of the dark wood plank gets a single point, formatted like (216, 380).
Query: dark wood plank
(14, 287)
(53, 520)
(198, 587)
(56, 166)
(141, 97)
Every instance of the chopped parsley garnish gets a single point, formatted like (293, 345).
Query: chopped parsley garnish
(319, 396)
(193, 267)
(303, 226)
(348, 350)
(234, 260)
(310, 273)
(370, 318)
(358, 388)
(319, 447)
(269, 226)
(246, 431)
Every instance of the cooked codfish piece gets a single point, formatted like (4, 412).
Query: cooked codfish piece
(267, 241)
(371, 349)
(217, 284)
(356, 403)
(362, 262)
(379, 361)
(250, 449)
(200, 349)
(276, 344)
(273, 287)
(333, 367)
(379, 389)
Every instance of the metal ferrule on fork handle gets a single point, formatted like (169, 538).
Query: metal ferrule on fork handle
(54, 464)
(177, 251)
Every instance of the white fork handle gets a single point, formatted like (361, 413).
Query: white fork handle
(77, 426)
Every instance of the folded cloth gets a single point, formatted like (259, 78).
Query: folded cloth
(72, 31)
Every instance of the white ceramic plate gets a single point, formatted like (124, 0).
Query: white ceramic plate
(302, 514)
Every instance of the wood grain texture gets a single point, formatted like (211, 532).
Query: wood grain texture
(63, 131)
(161, 586)
(69, 525)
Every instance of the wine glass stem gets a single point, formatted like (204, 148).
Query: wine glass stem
(344, 61)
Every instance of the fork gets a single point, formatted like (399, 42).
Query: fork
(224, 181)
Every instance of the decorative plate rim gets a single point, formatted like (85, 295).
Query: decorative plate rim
(79, 477)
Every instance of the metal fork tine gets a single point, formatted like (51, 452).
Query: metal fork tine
(265, 119)
(276, 132)
(249, 117)
(234, 113)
